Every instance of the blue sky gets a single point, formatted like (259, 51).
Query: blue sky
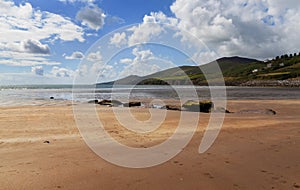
(45, 42)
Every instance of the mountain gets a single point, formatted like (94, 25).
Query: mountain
(236, 71)
(132, 79)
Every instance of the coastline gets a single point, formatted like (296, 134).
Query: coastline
(22, 96)
(271, 83)
(250, 147)
(289, 83)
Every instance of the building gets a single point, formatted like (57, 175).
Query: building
(269, 65)
(281, 64)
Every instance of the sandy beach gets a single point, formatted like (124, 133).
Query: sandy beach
(252, 151)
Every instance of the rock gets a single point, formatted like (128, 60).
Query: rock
(173, 107)
(51, 98)
(116, 103)
(110, 103)
(46, 142)
(221, 110)
(132, 104)
(201, 106)
(105, 102)
(93, 102)
(262, 111)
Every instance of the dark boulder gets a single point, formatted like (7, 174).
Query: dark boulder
(173, 107)
(132, 104)
(105, 102)
(259, 111)
(93, 102)
(116, 103)
(110, 103)
(198, 106)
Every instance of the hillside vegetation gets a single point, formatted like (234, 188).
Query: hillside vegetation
(235, 70)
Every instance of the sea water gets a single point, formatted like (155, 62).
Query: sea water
(40, 94)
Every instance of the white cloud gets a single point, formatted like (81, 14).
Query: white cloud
(93, 70)
(144, 63)
(91, 16)
(94, 57)
(21, 79)
(23, 29)
(204, 57)
(114, 20)
(149, 28)
(19, 22)
(75, 55)
(118, 39)
(82, 70)
(258, 29)
(36, 47)
(22, 63)
(253, 28)
(37, 70)
(31, 78)
(126, 61)
(142, 55)
(26, 46)
(96, 72)
(102, 70)
(61, 72)
(20, 58)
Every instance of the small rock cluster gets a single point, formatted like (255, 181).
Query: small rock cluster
(205, 106)
(191, 106)
(115, 103)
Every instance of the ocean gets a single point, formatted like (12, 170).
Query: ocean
(40, 94)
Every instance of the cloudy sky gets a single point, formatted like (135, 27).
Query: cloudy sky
(44, 42)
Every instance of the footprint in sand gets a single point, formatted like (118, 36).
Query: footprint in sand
(208, 175)
(236, 186)
(283, 181)
(177, 162)
(296, 186)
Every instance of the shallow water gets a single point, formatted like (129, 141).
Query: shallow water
(37, 95)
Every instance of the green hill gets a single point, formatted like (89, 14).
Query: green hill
(236, 71)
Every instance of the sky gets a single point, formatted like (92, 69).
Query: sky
(57, 41)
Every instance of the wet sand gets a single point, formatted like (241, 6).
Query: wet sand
(252, 151)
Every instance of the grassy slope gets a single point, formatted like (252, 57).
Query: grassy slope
(235, 71)
(290, 70)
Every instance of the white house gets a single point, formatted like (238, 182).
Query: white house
(269, 65)
(281, 64)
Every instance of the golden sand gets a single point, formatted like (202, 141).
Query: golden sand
(252, 151)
